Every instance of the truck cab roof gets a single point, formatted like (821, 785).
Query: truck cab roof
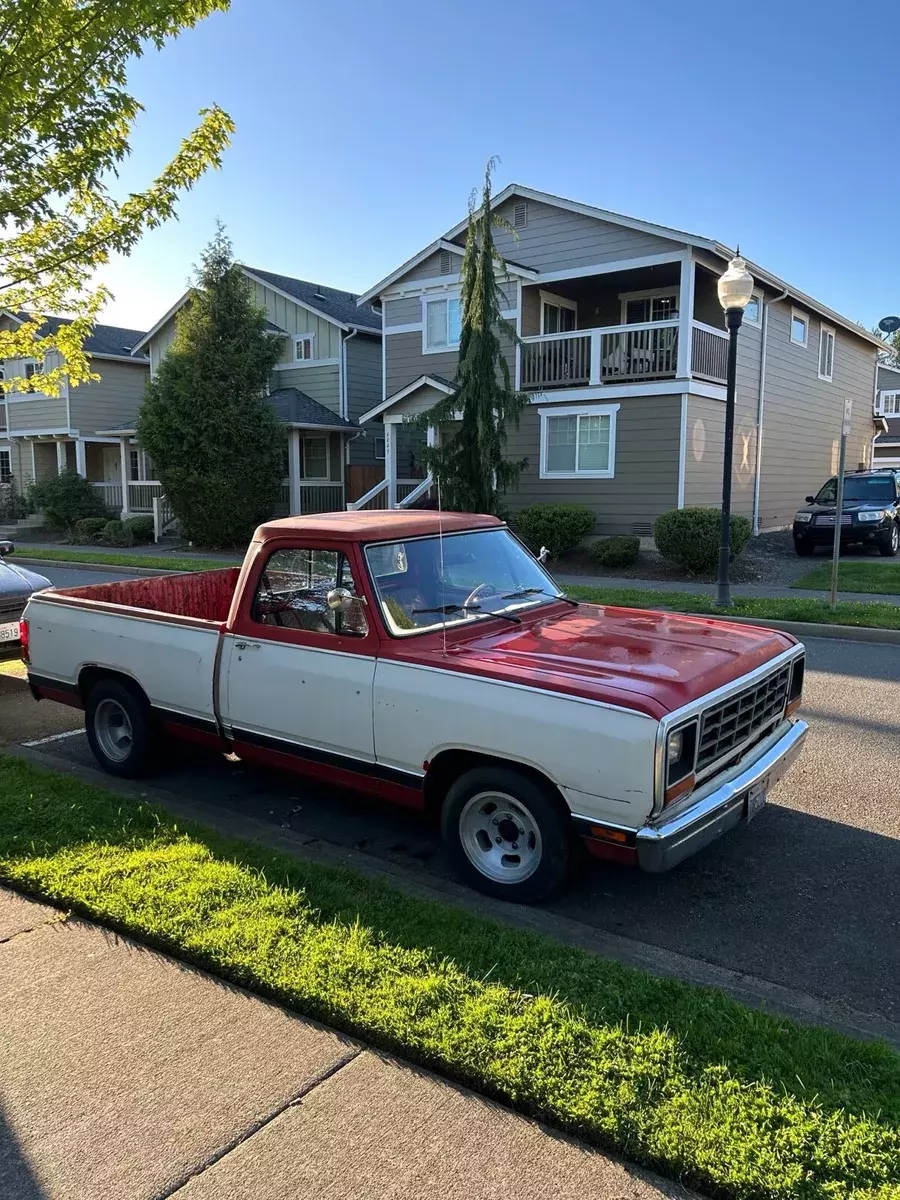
(380, 525)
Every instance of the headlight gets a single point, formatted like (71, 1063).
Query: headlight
(675, 746)
(803, 517)
(872, 516)
(681, 752)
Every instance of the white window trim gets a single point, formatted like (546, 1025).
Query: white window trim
(380, 457)
(296, 339)
(313, 479)
(560, 302)
(796, 314)
(749, 320)
(823, 330)
(448, 294)
(646, 294)
(882, 396)
(6, 452)
(579, 410)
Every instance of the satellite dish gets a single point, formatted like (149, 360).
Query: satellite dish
(889, 324)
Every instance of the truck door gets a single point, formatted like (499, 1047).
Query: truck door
(296, 675)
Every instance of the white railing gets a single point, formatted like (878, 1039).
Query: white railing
(613, 353)
(142, 493)
(375, 497)
(111, 494)
(709, 352)
(163, 516)
(321, 497)
(413, 493)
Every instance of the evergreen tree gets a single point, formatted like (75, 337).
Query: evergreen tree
(217, 445)
(470, 467)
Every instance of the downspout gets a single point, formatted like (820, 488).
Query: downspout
(761, 403)
(345, 395)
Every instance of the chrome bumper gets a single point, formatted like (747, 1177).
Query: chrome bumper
(673, 838)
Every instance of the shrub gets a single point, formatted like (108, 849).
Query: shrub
(141, 528)
(559, 527)
(116, 533)
(66, 499)
(619, 551)
(690, 537)
(12, 505)
(89, 529)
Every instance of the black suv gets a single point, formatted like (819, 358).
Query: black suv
(870, 514)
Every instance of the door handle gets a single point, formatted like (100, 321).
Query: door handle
(246, 646)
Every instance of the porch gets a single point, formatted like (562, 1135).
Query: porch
(653, 323)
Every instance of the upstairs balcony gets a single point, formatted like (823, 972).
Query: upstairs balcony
(567, 344)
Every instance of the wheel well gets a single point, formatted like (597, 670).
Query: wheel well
(446, 767)
(89, 677)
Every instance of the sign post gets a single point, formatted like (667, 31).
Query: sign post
(839, 502)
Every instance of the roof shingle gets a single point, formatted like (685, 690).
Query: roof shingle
(294, 407)
(340, 306)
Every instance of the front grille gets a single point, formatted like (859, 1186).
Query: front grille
(740, 718)
(828, 519)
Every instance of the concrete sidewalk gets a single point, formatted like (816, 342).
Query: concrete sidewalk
(124, 1073)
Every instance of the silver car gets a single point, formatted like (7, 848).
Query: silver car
(16, 587)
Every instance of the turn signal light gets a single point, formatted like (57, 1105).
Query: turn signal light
(23, 639)
(610, 835)
(679, 789)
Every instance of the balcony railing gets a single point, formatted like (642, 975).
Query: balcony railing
(614, 354)
(709, 352)
(314, 498)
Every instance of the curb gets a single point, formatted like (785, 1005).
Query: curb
(801, 629)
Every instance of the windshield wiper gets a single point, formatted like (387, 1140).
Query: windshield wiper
(536, 591)
(446, 609)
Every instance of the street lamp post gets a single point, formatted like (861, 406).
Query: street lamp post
(735, 289)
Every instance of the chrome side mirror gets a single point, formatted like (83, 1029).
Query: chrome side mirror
(6, 548)
(340, 599)
(544, 555)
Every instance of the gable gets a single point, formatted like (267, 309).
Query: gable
(294, 318)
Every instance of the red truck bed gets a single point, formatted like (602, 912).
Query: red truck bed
(205, 595)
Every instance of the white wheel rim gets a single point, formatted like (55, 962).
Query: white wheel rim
(895, 537)
(500, 837)
(113, 729)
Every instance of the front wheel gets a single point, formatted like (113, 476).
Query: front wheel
(804, 549)
(120, 729)
(891, 544)
(507, 835)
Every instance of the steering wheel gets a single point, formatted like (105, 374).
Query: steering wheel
(483, 589)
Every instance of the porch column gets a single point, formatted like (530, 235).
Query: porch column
(390, 463)
(294, 472)
(685, 316)
(80, 458)
(124, 472)
(60, 456)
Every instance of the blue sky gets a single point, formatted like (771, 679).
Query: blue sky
(362, 128)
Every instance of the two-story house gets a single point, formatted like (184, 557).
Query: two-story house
(886, 448)
(43, 435)
(328, 376)
(623, 353)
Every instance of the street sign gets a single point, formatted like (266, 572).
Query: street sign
(848, 413)
(889, 324)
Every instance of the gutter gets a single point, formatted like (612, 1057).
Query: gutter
(761, 402)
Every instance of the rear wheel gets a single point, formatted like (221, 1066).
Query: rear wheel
(890, 544)
(507, 834)
(120, 729)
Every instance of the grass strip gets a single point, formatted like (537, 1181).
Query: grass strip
(848, 612)
(741, 1104)
(154, 561)
(880, 580)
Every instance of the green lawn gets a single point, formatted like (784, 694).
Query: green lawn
(880, 579)
(737, 1103)
(105, 558)
(878, 616)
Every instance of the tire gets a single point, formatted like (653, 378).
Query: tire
(891, 544)
(520, 804)
(804, 550)
(120, 729)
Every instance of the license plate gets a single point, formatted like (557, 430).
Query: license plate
(756, 798)
(9, 633)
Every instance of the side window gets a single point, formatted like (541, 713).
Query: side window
(293, 593)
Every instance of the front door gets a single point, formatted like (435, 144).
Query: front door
(298, 678)
(111, 464)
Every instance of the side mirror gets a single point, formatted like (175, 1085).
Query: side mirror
(341, 600)
(6, 548)
(544, 555)
(810, 500)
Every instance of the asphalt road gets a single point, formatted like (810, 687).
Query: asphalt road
(68, 577)
(807, 897)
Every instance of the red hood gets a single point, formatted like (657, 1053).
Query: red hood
(650, 661)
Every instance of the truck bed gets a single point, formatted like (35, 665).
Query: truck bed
(202, 595)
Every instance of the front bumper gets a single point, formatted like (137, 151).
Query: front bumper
(823, 535)
(675, 837)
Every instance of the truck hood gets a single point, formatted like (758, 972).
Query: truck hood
(652, 662)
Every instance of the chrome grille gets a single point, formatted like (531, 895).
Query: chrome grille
(828, 519)
(728, 725)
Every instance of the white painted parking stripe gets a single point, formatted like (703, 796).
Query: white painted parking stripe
(54, 737)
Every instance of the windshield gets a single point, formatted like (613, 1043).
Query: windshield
(877, 488)
(428, 582)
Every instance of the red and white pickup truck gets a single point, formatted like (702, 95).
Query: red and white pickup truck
(432, 661)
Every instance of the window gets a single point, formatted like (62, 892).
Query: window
(890, 404)
(578, 442)
(293, 593)
(134, 465)
(303, 347)
(32, 368)
(753, 311)
(876, 488)
(826, 352)
(442, 324)
(5, 466)
(557, 315)
(379, 449)
(315, 458)
(648, 306)
(799, 328)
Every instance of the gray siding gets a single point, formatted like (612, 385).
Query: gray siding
(405, 311)
(159, 344)
(21, 463)
(37, 412)
(114, 399)
(646, 466)
(45, 461)
(430, 267)
(704, 447)
(406, 362)
(555, 239)
(293, 318)
(320, 383)
(888, 379)
(802, 423)
(363, 393)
